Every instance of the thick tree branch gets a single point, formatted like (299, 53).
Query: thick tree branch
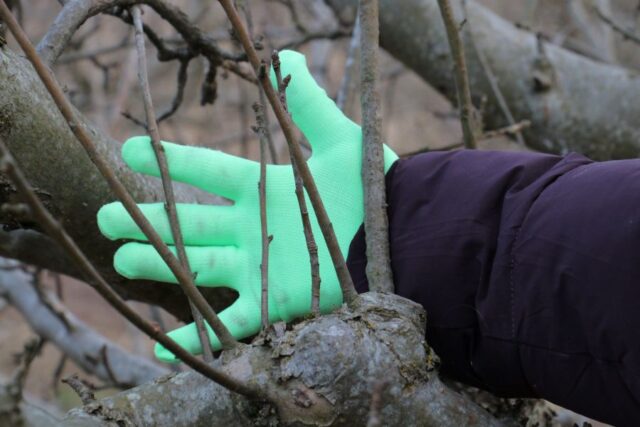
(590, 108)
(75, 339)
(322, 371)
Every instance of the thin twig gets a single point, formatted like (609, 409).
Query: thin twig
(58, 233)
(467, 112)
(261, 130)
(346, 284)
(507, 130)
(312, 247)
(246, 8)
(495, 88)
(376, 224)
(83, 389)
(179, 96)
(167, 184)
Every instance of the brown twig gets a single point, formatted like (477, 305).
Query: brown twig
(261, 130)
(83, 389)
(467, 111)
(312, 247)
(346, 284)
(179, 96)
(246, 8)
(513, 129)
(376, 224)
(507, 130)
(167, 185)
(58, 233)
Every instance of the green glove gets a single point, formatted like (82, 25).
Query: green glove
(223, 243)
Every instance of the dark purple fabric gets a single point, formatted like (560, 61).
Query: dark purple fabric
(529, 268)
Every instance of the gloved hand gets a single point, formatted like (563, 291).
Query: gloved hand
(223, 243)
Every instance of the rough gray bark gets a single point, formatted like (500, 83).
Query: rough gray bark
(71, 186)
(574, 103)
(323, 371)
(85, 346)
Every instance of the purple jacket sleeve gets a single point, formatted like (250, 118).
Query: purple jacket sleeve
(528, 266)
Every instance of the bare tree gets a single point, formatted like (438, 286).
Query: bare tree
(324, 370)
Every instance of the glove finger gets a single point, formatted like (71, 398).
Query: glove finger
(317, 116)
(209, 170)
(201, 225)
(242, 320)
(214, 265)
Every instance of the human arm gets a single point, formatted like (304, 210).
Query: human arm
(527, 265)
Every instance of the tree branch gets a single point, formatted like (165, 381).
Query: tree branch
(262, 130)
(469, 126)
(376, 223)
(591, 107)
(309, 238)
(75, 339)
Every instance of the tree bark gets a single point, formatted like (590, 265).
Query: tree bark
(71, 186)
(574, 103)
(323, 372)
(86, 347)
